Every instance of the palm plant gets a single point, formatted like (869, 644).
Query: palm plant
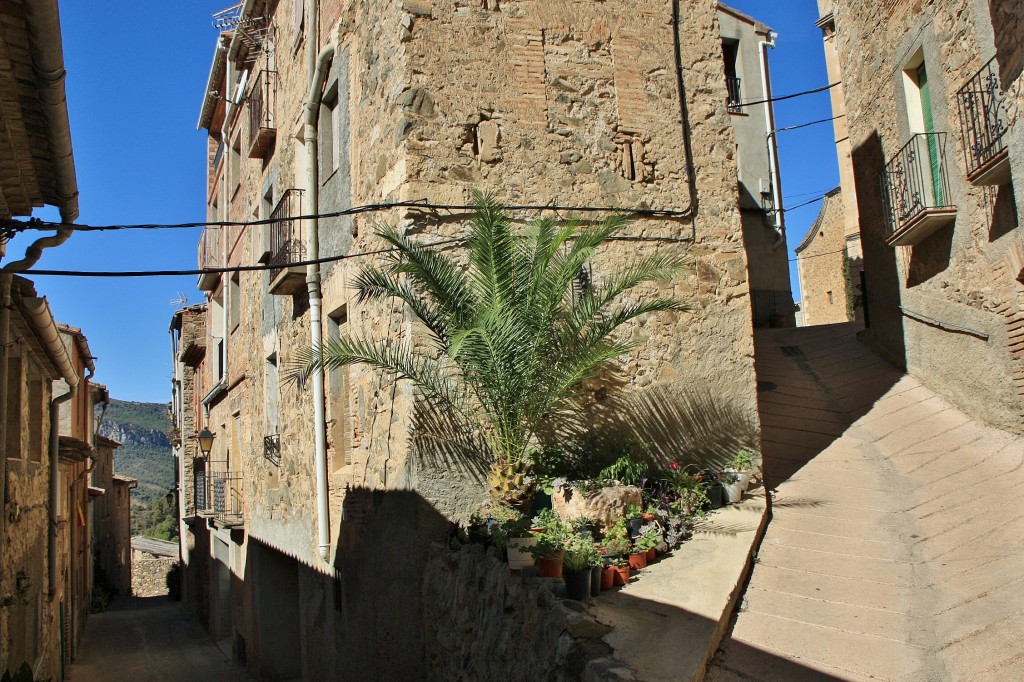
(513, 338)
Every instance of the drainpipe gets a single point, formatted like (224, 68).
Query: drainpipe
(317, 74)
(55, 484)
(769, 122)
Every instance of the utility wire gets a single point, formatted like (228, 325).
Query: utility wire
(785, 97)
(811, 123)
(35, 224)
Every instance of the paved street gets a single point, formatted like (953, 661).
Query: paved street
(894, 552)
(149, 639)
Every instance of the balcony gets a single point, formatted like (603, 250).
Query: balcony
(260, 103)
(915, 188)
(209, 257)
(219, 497)
(287, 246)
(272, 449)
(733, 86)
(984, 129)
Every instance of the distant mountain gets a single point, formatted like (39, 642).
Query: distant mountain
(145, 452)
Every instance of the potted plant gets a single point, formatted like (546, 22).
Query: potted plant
(647, 542)
(634, 520)
(621, 576)
(736, 475)
(512, 531)
(583, 526)
(608, 573)
(637, 558)
(551, 533)
(577, 561)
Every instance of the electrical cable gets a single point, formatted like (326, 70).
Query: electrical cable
(810, 123)
(785, 97)
(36, 224)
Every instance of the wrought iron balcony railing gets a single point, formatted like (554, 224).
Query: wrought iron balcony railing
(199, 481)
(272, 449)
(915, 188)
(733, 86)
(984, 128)
(260, 102)
(225, 497)
(286, 244)
(209, 257)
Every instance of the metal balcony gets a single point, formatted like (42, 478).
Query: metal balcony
(272, 449)
(733, 104)
(915, 188)
(199, 481)
(287, 246)
(221, 498)
(209, 257)
(983, 127)
(260, 103)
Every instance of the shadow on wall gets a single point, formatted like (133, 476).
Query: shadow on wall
(690, 426)
(382, 547)
(885, 333)
(1004, 213)
(931, 257)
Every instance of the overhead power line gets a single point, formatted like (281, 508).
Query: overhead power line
(35, 224)
(785, 97)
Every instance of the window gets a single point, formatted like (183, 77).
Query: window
(235, 164)
(921, 119)
(271, 388)
(298, 21)
(234, 301)
(730, 55)
(337, 328)
(15, 429)
(330, 133)
(216, 327)
(37, 408)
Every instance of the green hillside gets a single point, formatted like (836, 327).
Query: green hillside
(145, 452)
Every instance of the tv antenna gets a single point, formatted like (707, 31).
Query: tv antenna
(180, 301)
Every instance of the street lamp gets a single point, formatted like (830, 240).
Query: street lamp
(205, 438)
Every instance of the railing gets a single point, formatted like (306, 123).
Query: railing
(209, 248)
(915, 181)
(261, 111)
(201, 502)
(733, 86)
(226, 497)
(272, 449)
(286, 245)
(982, 117)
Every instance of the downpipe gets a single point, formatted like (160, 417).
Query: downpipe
(55, 485)
(769, 121)
(316, 81)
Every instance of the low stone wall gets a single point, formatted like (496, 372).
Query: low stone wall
(149, 575)
(483, 621)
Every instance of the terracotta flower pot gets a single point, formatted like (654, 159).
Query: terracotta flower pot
(652, 554)
(647, 518)
(550, 567)
(621, 576)
(608, 574)
(638, 561)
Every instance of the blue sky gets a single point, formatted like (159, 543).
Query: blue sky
(136, 72)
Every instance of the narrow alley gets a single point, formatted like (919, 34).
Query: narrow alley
(140, 639)
(893, 552)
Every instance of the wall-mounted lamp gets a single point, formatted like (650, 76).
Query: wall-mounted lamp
(205, 438)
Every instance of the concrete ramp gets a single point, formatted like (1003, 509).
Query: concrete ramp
(894, 550)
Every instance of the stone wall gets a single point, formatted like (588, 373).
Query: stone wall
(485, 622)
(821, 263)
(950, 301)
(149, 574)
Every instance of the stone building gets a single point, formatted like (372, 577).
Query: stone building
(36, 168)
(311, 520)
(932, 95)
(828, 265)
(111, 528)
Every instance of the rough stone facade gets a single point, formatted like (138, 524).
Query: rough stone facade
(485, 622)
(955, 299)
(829, 275)
(111, 521)
(537, 103)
